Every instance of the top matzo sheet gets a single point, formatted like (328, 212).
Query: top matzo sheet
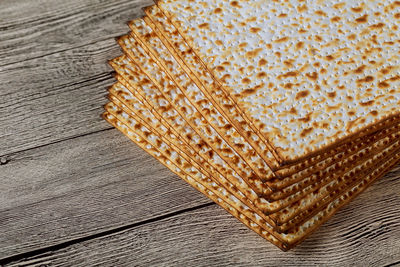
(308, 74)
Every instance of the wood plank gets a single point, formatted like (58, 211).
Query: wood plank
(81, 187)
(47, 96)
(55, 97)
(365, 233)
(31, 29)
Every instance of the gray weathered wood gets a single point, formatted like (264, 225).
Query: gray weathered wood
(81, 187)
(31, 29)
(54, 97)
(66, 177)
(53, 67)
(365, 233)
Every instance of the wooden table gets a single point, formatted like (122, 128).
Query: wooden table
(75, 191)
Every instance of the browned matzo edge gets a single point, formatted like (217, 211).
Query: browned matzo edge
(350, 195)
(156, 50)
(144, 31)
(138, 25)
(185, 163)
(279, 205)
(131, 71)
(225, 171)
(311, 211)
(210, 193)
(276, 197)
(365, 130)
(310, 189)
(321, 177)
(163, 34)
(124, 113)
(167, 87)
(303, 230)
(299, 212)
(247, 203)
(137, 115)
(214, 89)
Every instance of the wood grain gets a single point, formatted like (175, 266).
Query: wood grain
(32, 29)
(365, 233)
(73, 191)
(53, 67)
(81, 187)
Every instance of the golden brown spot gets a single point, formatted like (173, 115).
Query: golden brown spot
(302, 8)
(288, 63)
(288, 74)
(278, 54)
(385, 70)
(397, 16)
(288, 85)
(374, 113)
(369, 103)
(302, 94)
(248, 92)
(255, 29)
(270, 85)
(357, 9)
(293, 111)
(395, 78)
(351, 113)
(377, 26)
(323, 71)
(317, 64)
(225, 77)
(339, 5)
(282, 15)
(261, 75)
(204, 26)
(362, 19)
(335, 19)
(320, 13)
(367, 79)
(383, 85)
(253, 90)
(329, 57)
(218, 10)
(282, 40)
(299, 45)
(235, 4)
(242, 45)
(313, 75)
(305, 132)
(352, 37)
(331, 94)
(306, 119)
(360, 69)
(246, 81)
(262, 62)
(388, 43)
(219, 42)
(317, 87)
(220, 68)
(302, 31)
(318, 38)
(253, 53)
(269, 46)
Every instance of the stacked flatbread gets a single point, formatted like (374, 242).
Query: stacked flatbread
(279, 111)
